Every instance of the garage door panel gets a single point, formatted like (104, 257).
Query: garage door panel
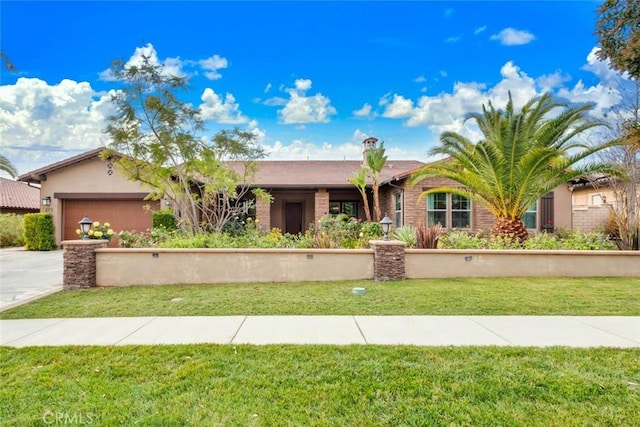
(122, 215)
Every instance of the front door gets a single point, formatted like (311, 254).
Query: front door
(546, 219)
(293, 218)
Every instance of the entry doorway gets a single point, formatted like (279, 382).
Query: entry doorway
(293, 218)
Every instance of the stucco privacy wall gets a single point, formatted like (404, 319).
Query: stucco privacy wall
(124, 267)
(423, 263)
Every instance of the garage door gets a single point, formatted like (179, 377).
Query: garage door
(122, 215)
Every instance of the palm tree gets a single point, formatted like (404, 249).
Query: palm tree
(7, 166)
(523, 156)
(376, 159)
(359, 180)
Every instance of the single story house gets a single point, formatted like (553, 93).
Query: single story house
(303, 192)
(18, 197)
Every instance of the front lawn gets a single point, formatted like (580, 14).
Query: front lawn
(480, 296)
(319, 385)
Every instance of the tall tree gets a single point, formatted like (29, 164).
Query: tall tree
(523, 156)
(625, 208)
(162, 140)
(376, 159)
(7, 166)
(618, 31)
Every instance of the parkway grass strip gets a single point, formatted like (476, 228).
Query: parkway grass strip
(599, 296)
(320, 385)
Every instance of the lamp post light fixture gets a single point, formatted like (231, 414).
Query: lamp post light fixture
(386, 226)
(85, 226)
(46, 201)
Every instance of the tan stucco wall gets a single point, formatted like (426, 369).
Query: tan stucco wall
(194, 266)
(425, 263)
(90, 176)
(212, 266)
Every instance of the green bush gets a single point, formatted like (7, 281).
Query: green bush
(38, 232)
(163, 219)
(11, 230)
(407, 234)
(566, 240)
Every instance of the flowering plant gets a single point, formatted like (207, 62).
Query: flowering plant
(98, 231)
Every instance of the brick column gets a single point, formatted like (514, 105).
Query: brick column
(388, 259)
(263, 214)
(321, 203)
(79, 270)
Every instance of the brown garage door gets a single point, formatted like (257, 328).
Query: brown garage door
(120, 214)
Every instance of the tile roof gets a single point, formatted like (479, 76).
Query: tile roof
(323, 173)
(18, 195)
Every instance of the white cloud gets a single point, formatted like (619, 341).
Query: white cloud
(42, 123)
(300, 149)
(512, 37)
(211, 66)
(301, 109)
(420, 79)
(480, 30)
(267, 88)
(453, 39)
(365, 111)
(219, 110)
(170, 66)
(446, 111)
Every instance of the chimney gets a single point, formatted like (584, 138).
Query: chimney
(368, 144)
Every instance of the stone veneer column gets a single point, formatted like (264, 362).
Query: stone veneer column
(388, 259)
(263, 214)
(321, 203)
(79, 270)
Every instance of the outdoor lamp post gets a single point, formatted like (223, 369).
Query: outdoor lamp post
(386, 226)
(85, 226)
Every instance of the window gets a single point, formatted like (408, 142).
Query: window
(529, 218)
(448, 210)
(398, 205)
(348, 208)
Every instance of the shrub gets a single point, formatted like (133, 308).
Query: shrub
(406, 234)
(11, 230)
(427, 238)
(163, 219)
(38, 232)
(566, 240)
(457, 239)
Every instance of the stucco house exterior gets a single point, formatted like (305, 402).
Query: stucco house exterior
(86, 185)
(303, 192)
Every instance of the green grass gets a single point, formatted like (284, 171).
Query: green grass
(487, 296)
(320, 385)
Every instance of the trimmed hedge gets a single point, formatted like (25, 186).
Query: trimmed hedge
(38, 232)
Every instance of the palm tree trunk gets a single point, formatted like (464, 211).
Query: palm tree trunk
(510, 228)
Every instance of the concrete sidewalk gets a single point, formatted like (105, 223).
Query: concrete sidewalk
(539, 331)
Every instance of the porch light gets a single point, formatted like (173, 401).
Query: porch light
(85, 226)
(386, 226)
(46, 201)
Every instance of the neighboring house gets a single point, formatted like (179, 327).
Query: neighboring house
(303, 192)
(591, 197)
(86, 185)
(18, 198)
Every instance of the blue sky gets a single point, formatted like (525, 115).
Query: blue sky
(310, 79)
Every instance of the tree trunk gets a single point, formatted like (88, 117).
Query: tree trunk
(510, 228)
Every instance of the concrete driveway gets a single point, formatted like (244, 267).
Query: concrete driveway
(28, 275)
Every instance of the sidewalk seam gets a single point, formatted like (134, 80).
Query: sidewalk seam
(580, 320)
(472, 318)
(244, 319)
(135, 330)
(360, 329)
(34, 332)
